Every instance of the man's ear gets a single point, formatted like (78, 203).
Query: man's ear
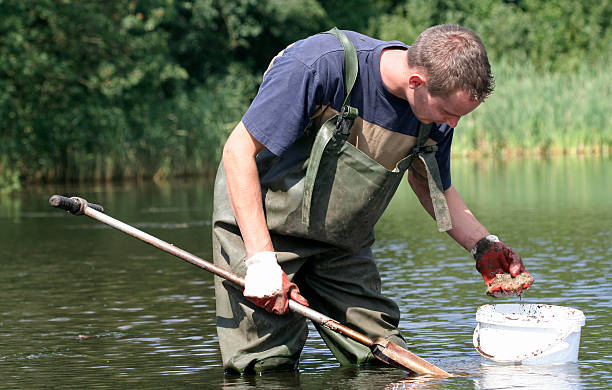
(416, 80)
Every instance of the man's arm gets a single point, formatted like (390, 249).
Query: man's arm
(266, 284)
(466, 228)
(244, 189)
(492, 256)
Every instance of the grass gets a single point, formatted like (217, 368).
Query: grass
(533, 113)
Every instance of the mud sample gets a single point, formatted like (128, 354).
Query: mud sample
(509, 285)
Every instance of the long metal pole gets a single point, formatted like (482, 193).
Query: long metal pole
(382, 349)
(305, 311)
(163, 245)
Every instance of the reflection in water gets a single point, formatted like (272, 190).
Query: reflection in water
(275, 381)
(550, 377)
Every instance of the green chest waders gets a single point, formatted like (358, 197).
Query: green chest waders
(322, 198)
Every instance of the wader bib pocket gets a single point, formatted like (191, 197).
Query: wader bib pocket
(351, 191)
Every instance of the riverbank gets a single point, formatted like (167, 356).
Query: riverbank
(531, 113)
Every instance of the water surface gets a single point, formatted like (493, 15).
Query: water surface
(85, 306)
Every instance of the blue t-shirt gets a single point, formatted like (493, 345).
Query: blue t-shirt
(309, 74)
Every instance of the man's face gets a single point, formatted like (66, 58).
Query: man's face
(448, 109)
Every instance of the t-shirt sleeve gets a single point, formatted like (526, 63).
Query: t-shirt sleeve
(443, 159)
(284, 103)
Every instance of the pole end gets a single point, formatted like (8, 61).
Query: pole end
(74, 205)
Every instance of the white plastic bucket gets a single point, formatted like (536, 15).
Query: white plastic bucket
(528, 333)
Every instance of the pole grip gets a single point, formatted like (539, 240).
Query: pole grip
(74, 205)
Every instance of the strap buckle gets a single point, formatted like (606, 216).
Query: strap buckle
(425, 149)
(345, 120)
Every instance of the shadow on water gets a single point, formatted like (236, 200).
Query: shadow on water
(86, 306)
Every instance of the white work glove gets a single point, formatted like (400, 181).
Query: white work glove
(267, 286)
(264, 276)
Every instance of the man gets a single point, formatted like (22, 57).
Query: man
(308, 171)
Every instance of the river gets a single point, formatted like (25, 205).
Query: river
(85, 306)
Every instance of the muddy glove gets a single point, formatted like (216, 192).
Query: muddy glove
(267, 286)
(501, 267)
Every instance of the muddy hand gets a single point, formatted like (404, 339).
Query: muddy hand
(501, 267)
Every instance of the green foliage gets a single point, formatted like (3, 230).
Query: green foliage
(552, 35)
(185, 136)
(74, 73)
(404, 23)
(107, 89)
(356, 14)
(206, 36)
(9, 179)
(564, 34)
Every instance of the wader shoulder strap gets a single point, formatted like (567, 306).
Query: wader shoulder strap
(426, 154)
(350, 63)
(338, 125)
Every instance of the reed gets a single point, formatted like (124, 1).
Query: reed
(541, 113)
